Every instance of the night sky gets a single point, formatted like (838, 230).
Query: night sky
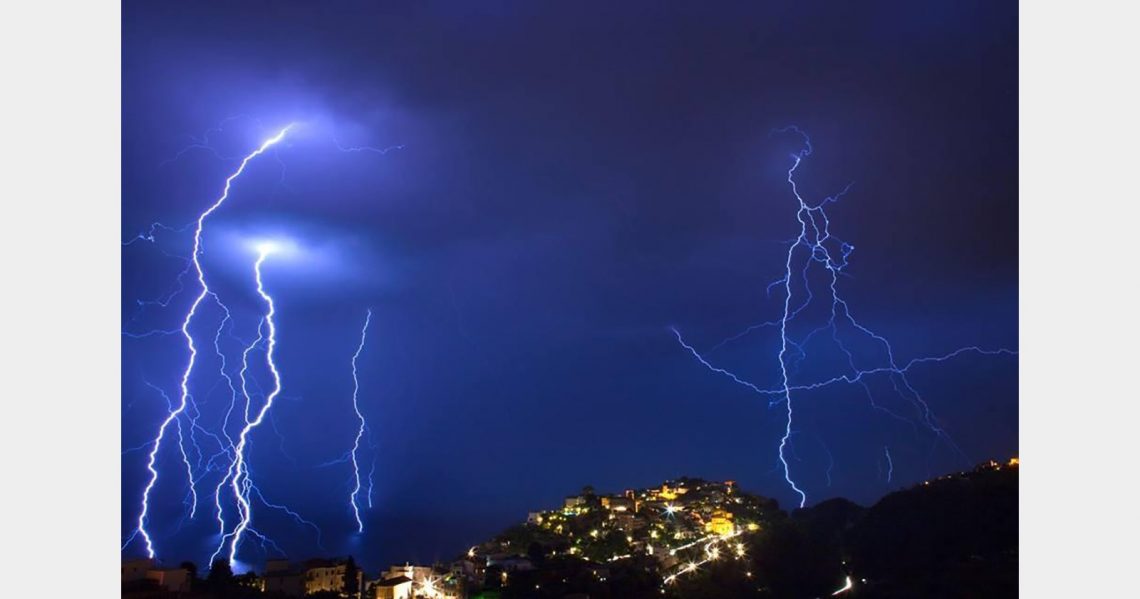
(574, 179)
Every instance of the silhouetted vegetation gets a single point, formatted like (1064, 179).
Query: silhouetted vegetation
(956, 537)
(351, 584)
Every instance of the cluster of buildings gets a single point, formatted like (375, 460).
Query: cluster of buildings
(1013, 463)
(675, 526)
(283, 578)
(311, 576)
(413, 582)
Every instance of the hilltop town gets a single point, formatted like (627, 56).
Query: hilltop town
(684, 538)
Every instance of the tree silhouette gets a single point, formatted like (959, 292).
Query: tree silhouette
(192, 570)
(351, 582)
(221, 576)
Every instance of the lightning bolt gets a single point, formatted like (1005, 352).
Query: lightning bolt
(244, 385)
(185, 396)
(371, 477)
(830, 461)
(890, 463)
(800, 216)
(229, 454)
(816, 246)
(240, 482)
(360, 431)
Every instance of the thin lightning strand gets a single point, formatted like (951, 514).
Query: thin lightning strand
(220, 514)
(830, 461)
(857, 377)
(185, 385)
(189, 467)
(374, 150)
(363, 426)
(294, 515)
(222, 370)
(371, 477)
(890, 463)
(718, 370)
(203, 142)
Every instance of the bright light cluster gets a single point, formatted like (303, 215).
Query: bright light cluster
(712, 553)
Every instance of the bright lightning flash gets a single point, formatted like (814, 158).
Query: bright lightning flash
(816, 246)
(185, 397)
(363, 425)
(229, 457)
(240, 482)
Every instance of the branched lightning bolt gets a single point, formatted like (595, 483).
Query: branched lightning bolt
(360, 431)
(184, 397)
(787, 395)
(240, 482)
(815, 245)
(225, 452)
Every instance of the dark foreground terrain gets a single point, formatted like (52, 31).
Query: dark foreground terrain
(953, 537)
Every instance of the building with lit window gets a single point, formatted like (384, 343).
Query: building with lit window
(397, 587)
(330, 575)
(720, 524)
